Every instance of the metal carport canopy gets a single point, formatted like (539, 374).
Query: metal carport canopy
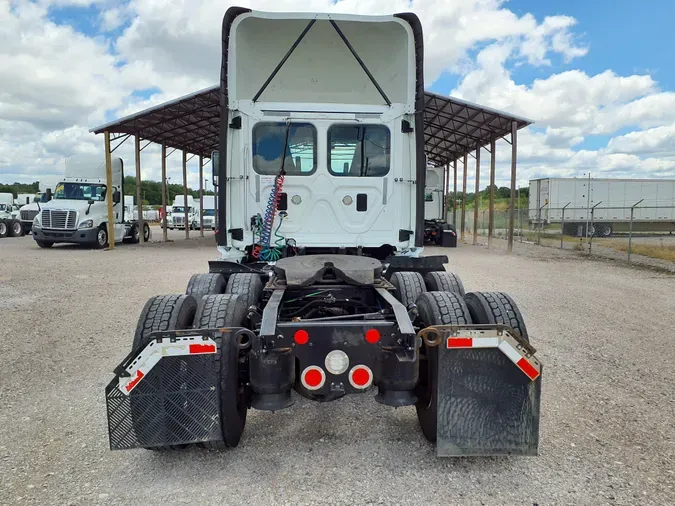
(452, 127)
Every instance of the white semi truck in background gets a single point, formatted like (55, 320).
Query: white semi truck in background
(434, 220)
(9, 225)
(612, 199)
(29, 211)
(178, 212)
(78, 211)
(209, 212)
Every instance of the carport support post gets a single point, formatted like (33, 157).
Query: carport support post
(512, 208)
(476, 200)
(446, 183)
(164, 231)
(201, 196)
(139, 193)
(109, 191)
(466, 163)
(454, 195)
(185, 196)
(491, 219)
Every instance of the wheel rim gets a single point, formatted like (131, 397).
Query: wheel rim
(3, 228)
(102, 237)
(17, 228)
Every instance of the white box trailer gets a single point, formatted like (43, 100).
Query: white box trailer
(612, 199)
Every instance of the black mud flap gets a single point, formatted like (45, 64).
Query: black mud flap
(487, 405)
(160, 397)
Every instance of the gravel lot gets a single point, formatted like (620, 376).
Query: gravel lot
(608, 400)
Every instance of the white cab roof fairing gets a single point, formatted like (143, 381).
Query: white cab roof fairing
(92, 169)
(434, 177)
(321, 69)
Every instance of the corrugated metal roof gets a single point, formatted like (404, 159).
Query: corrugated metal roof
(452, 127)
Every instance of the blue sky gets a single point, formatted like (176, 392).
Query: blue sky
(103, 59)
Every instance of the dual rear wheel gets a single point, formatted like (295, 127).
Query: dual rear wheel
(206, 306)
(441, 299)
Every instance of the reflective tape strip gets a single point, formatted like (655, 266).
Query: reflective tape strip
(155, 351)
(510, 352)
(473, 342)
(529, 368)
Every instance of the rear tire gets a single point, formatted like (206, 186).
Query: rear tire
(15, 228)
(496, 308)
(435, 308)
(444, 281)
(205, 284)
(409, 286)
(163, 312)
(247, 285)
(218, 311)
(4, 229)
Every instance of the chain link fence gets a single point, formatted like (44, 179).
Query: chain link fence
(613, 232)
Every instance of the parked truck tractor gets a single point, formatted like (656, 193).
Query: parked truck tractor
(28, 212)
(78, 212)
(178, 212)
(209, 212)
(9, 224)
(435, 224)
(322, 289)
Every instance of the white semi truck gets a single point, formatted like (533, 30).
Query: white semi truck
(29, 211)
(78, 211)
(435, 224)
(178, 212)
(612, 199)
(209, 212)
(9, 225)
(321, 288)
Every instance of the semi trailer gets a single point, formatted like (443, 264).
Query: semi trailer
(78, 212)
(568, 202)
(321, 288)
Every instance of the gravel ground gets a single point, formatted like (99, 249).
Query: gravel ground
(608, 400)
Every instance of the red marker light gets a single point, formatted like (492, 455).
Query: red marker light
(301, 336)
(372, 336)
(361, 377)
(313, 378)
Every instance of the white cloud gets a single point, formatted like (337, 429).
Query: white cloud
(57, 83)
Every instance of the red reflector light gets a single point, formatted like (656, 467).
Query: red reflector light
(460, 342)
(313, 377)
(197, 349)
(527, 368)
(139, 376)
(361, 377)
(301, 336)
(372, 336)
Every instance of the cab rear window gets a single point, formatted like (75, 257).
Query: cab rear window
(359, 150)
(268, 148)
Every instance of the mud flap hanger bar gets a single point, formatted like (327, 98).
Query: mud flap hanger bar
(347, 43)
(176, 343)
(458, 337)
